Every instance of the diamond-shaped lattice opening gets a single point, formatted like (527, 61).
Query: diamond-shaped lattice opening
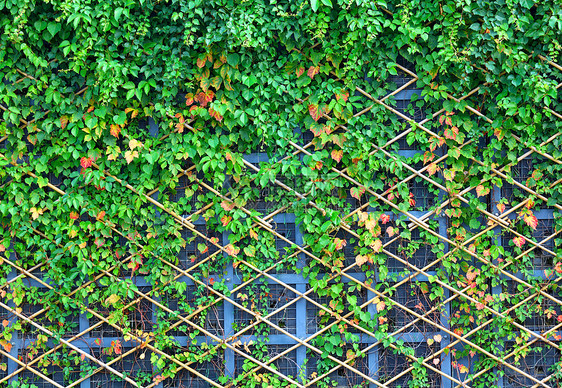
(137, 317)
(539, 257)
(424, 195)
(401, 77)
(391, 364)
(286, 364)
(198, 248)
(211, 369)
(527, 172)
(263, 300)
(288, 230)
(211, 319)
(67, 326)
(539, 313)
(342, 377)
(186, 188)
(317, 318)
(51, 366)
(135, 365)
(539, 360)
(417, 251)
(416, 298)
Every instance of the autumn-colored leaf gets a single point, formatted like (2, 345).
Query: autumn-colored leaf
(384, 218)
(5, 323)
(357, 192)
(340, 243)
(86, 162)
(391, 231)
(314, 112)
(412, 200)
(134, 143)
(343, 95)
(227, 206)
(376, 246)
(97, 341)
(63, 121)
(360, 260)
(100, 215)
(432, 168)
(312, 71)
(253, 234)
(216, 115)
(481, 190)
(337, 155)
(35, 213)
(189, 99)
(201, 61)
(380, 305)
(519, 241)
(130, 156)
(115, 130)
(501, 207)
(451, 133)
(531, 220)
(6, 345)
(225, 220)
(231, 250)
(299, 71)
(74, 215)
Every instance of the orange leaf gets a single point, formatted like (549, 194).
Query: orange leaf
(100, 215)
(312, 71)
(86, 162)
(339, 243)
(227, 206)
(5, 322)
(253, 234)
(501, 207)
(115, 130)
(481, 190)
(531, 220)
(314, 112)
(231, 250)
(337, 155)
(201, 61)
(299, 71)
(377, 246)
(63, 121)
(226, 220)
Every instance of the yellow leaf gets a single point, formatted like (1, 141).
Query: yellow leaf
(134, 143)
(360, 260)
(112, 299)
(130, 155)
(35, 213)
(377, 246)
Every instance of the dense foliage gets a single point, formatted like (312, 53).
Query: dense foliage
(145, 146)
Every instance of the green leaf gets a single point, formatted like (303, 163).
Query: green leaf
(53, 28)
(314, 4)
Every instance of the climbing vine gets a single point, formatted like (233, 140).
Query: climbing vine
(154, 155)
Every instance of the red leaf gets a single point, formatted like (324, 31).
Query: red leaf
(74, 215)
(225, 220)
(337, 155)
(314, 112)
(432, 168)
(211, 281)
(312, 71)
(357, 192)
(300, 71)
(189, 99)
(86, 162)
(231, 250)
(98, 341)
(412, 201)
(519, 241)
(63, 121)
(385, 218)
